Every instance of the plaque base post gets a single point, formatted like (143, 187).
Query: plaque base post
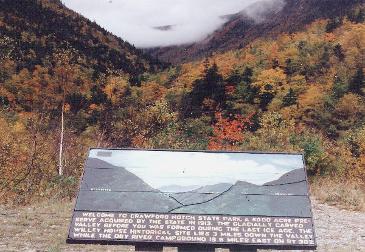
(148, 248)
(196, 248)
(241, 249)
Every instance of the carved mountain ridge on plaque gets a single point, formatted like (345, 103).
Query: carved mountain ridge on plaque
(104, 176)
(292, 177)
(110, 187)
(271, 199)
(178, 188)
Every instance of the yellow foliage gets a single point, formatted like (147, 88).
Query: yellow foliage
(189, 73)
(67, 107)
(19, 127)
(350, 105)
(274, 134)
(312, 97)
(297, 81)
(352, 40)
(115, 88)
(152, 92)
(271, 81)
(226, 62)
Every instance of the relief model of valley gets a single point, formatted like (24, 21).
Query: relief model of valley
(106, 187)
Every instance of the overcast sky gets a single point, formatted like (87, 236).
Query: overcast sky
(161, 168)
(136, 20)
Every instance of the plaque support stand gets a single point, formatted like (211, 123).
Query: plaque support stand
(241, 249)
(205, 248)
(149, 248)
(187, 248)
(196, 248)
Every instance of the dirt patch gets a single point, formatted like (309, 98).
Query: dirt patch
(44, 227)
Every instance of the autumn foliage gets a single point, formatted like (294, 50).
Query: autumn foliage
(297, 92)
(228, 133)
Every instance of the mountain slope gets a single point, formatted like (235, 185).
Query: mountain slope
(202, 194)
(106, 187)
(241, 29)
(176, 188)
(103, 175)
(244, 198)
(39, 28)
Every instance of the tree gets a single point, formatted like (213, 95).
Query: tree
(245, 89)
(275, 63)
(291, 67)
(210, 89)
(276, 78)
(215, 84)
(228, 133)
(266, 97)
(357, 83)
(115, 89)
(269, 82)
(67, 76)
(247, 75)
(7, 64)
(290, 98)
(275, 133)
(333, 24)
(339, 88)
(235, 78)
(324, 59)
(338, 51)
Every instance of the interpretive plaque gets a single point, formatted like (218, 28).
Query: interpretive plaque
(180, 197)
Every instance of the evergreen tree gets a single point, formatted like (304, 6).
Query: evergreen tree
(325, 58)
(290, 98)
(247, 75)
(210, 86)
(333, 24)
(290, 67)
(358, 82)
(245, 91)
(266, 97)
(339, 52)
(339, 88)
(235, 78)
(275, 63)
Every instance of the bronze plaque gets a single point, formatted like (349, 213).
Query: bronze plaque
(182, 197)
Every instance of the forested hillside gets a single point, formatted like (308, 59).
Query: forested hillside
(54, 61)
(37, 29)
(293, 92)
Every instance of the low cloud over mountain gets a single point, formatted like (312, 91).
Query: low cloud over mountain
(177, 22)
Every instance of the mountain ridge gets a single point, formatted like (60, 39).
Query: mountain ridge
(38, 28)
(240, 30)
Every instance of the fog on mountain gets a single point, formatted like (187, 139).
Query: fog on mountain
(156, 23)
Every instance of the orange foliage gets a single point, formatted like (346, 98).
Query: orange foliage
(152, 92)
(116, 88)
(93, 107)
(228, 133)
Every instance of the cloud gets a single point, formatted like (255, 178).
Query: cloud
(160, 169)
(151, 23)
(260, 9)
